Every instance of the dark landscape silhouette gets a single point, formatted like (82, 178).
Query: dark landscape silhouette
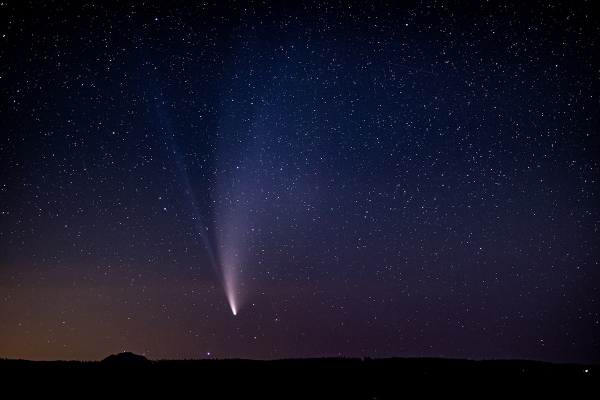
(127, 374)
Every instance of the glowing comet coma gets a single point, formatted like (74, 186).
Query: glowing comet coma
(229, 284)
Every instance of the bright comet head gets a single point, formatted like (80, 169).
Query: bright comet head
(230, 291)
(230, 240)
(232, 303)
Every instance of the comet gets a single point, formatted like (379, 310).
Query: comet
(226, 265)
(233, 233)
(229, 269)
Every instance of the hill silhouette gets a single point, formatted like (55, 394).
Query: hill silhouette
(126, 356)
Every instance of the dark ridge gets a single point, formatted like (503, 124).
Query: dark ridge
(126, 356)
(352, 378)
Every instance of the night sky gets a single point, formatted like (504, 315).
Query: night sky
(351, 180)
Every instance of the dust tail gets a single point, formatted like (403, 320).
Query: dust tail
(201, 227)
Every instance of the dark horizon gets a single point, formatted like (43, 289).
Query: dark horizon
(302, 378)
(316, 359)
(350, 180)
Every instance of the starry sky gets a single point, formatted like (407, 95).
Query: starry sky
(357, 179)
